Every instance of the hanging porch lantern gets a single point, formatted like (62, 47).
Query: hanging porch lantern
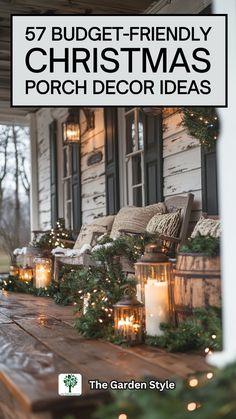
(153, 272)
(71, 127)
(43, 272)
(129, 320)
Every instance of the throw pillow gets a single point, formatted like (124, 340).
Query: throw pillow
(100, 225)
(207, 227)
(135, 219)
(167, 224)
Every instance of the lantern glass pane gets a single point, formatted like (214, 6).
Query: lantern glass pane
(129, 323)
(25, 274)
(71, 132)
(43, 272)
(146, 271)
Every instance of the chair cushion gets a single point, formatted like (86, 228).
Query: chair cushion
(167, 224)
(135, 218)
(100, 225)
(207, 227)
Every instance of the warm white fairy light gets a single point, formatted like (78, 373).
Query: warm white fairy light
(191, 406)
(209, 375)
(122, 416)
(193, 382)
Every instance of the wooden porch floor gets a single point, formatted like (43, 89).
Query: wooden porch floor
(38, 342)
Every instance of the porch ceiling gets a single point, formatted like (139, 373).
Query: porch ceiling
(8, 7)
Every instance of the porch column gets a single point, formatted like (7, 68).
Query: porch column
(34, 204)
(227, 196)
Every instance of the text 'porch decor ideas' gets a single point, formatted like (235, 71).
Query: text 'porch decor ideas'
(146, 60)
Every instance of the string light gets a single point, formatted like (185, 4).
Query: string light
(122, 416)
(191, 406)
(204, 127)
(193, 382)
(209, 375)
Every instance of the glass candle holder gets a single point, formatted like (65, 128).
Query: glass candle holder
(43, 272)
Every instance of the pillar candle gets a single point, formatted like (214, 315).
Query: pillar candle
(42, 275)
(156, 306)
(138, 292)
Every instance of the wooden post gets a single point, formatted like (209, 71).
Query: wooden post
(34, 204)
(227, 172)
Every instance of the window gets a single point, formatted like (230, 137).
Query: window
(133, 147)
(134, 156)
(67, 185)
(71, 180)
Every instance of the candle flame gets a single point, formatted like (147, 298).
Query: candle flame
(128, 322)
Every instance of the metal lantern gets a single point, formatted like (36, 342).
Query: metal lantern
(27, 256)
(129, 319)
(153, 272)
(26, 274)
(154, 264)
(43, 272)
(71, 127)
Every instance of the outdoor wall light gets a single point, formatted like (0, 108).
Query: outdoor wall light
(71, 127)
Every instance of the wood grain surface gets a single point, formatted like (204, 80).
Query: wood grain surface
(38, 342)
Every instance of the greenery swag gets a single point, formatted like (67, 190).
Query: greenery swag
(202, 396)
(207, 245)
(203, 124)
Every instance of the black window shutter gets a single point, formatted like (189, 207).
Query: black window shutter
(76, 188)
(153, 174)
(53, 172)
(112, 161)
(209, 181)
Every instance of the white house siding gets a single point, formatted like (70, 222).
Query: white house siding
(93, 198)
(181, 162)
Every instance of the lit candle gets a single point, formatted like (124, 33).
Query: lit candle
(42, 273)
(25, 274)
(157, 307)
(129, 327)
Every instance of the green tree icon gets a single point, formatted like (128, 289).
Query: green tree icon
(70, 381)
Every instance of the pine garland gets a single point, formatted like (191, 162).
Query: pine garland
(203, 124)
(203, 331)
(13, 283)
(130, 246)
(104, 287)
(208, 245)
(202, 396)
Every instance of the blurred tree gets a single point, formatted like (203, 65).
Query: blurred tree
(14, 187)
